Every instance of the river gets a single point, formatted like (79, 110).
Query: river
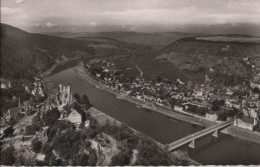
(209, 150)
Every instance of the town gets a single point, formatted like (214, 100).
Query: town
(215, 103)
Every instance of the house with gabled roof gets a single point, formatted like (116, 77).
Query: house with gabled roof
(12, 114)
(74, 113)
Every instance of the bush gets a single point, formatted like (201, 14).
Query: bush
(67, 144)
(8, 156)
(47, 150)
(222, 116)
(51, 117)
(80, 159)
(92, 158)
(151, 154)
(36, 145)
(216, 104)
(202, 110)
(30, 130)
(122, 158)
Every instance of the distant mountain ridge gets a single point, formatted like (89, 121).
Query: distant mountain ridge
(155, 40)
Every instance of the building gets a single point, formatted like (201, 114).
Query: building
(255, 82)
(5, 84)
(251, 115)
(75, 117)
(12, 114)
(178, 108)
(73, 113)
(63, 96)
(212, 117)
(245, 122)
(27, 105)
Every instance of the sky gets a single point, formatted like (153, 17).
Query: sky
(56, 15)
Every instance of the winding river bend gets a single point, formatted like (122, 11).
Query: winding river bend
(209, 150)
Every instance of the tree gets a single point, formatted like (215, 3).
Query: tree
(92, 158)
(232, 112)
(222, 116)
(51, 117)
(216, 104)
(30, 130)
(202, 110)
(36, 145)
(76, 97)
(173, 101)
(47, 150)
(122, 158)
(80, 159)
(8, 156)
(86, 102)
(23, 159)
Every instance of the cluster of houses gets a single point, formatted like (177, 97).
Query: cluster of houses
(201, 95)
(13, 113)
(250, 106)
(23, 107)
(5, 84)
(62, 100)
(38, 88)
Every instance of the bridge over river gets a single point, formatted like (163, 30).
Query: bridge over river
(191, 138)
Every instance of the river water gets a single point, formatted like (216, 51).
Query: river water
(209, 150)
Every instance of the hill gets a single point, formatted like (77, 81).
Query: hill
(24, 54)
(196, 55)
(154, 40)
(109, 46)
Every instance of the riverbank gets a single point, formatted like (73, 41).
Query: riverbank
(84, 75)
(61, 63)
(102, 118)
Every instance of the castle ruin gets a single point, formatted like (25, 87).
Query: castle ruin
(63, 96)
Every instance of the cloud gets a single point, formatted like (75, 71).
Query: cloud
(36, 25)
(12, 11)
(20, 1)
(50, 24)
(15, 15)
(93, 24)
(60, 13)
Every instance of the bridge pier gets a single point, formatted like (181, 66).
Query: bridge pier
(215, 134)
(192, 144)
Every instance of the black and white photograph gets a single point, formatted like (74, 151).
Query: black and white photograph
(130, 83)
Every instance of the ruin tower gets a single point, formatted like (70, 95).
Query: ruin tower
(63, 96)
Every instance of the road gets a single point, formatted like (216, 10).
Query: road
(141, 73)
